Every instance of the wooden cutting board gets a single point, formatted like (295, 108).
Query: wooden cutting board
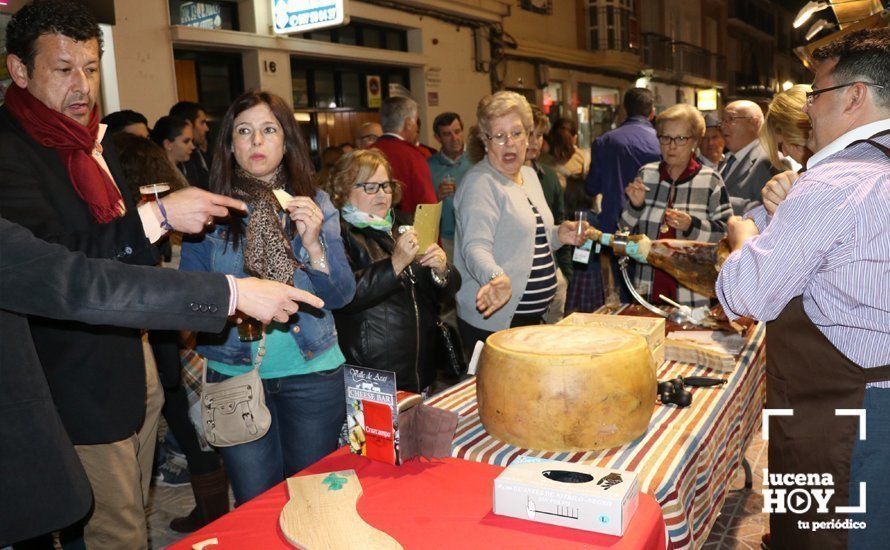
(321, 514)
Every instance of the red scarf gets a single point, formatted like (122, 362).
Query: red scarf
(662, 283)
(74, 143)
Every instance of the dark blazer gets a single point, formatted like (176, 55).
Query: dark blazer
(197, 170)
(42, 483)
(105, 402)
(391, 322)
(746, 180)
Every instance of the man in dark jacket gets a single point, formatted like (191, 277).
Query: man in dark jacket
(616, 156)
(615, 159)
(43, 484)
(746, 168)
(60, 177)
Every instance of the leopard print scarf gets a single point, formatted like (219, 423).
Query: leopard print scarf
(267, 250)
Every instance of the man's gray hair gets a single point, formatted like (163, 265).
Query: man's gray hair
(395, 111)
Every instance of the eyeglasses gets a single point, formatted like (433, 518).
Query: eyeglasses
(731, 119)
(369, 137)
(501, 137)
(811, 96)
(371, 188)
(679, 140)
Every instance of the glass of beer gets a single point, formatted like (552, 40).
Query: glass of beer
(153, 191)
(250, 330)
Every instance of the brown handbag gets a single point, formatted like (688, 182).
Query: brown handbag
(234, 411)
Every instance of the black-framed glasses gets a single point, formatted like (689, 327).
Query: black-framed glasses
(730, 119)
(679, 140)
(501, 138)
(371, 187)
(811, 96)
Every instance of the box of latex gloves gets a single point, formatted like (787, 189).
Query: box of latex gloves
(571, 495)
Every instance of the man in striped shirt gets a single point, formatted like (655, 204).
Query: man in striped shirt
(819, 272)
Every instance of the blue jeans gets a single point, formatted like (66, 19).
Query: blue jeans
(869, 464)
(307, 413)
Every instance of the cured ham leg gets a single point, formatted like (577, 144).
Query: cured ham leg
(693, 264)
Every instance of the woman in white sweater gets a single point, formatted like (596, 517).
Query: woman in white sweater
(505, 234)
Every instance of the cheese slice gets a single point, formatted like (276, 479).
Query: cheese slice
(566, 387)
(283, 197)
(712, 349)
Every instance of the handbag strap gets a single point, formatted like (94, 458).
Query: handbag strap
(257, 359)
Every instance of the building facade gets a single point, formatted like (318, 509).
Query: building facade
(575, 58)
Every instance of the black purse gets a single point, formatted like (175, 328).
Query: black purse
(453, 356)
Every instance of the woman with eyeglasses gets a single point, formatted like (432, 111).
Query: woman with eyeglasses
(676, 198)
(261, 150)
(505, 236)
(391, 323)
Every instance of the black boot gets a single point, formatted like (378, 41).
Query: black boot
(211, 501)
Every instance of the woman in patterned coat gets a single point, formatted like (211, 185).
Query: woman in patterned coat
(676, 198)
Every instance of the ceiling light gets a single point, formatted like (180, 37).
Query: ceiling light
(819, 26)
(807, 11)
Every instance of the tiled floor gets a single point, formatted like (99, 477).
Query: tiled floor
(741, 522)
(739, 525)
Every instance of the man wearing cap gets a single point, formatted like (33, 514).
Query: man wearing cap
(712, 145)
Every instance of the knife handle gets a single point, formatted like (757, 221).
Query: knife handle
(702, 381)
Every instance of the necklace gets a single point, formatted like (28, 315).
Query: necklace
(672, 196)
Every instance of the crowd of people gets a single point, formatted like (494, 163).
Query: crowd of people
(517, 194)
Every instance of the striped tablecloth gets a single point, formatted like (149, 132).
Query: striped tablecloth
(686, 459)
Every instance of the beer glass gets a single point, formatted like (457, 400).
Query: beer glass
(250, 330)
(153, 191)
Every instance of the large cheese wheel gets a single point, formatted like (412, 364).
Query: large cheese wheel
(565, 388)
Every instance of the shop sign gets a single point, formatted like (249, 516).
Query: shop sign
(374, 88)
(296, 16)
(203, 15)
(706, 100)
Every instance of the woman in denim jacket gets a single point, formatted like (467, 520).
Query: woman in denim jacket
(260, 149)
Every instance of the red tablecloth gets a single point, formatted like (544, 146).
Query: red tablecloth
(443, 503)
